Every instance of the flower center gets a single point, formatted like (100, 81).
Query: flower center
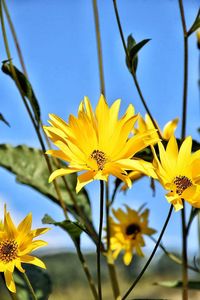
(182, 183)
(8, 250)
(133, 230)
(100, 158)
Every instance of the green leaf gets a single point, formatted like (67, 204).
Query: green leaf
(4, 120)
(25, 87)
(192, 285)
(133, 48)
(29, 166)
(74, 229)
(196, 24)
(40, 282)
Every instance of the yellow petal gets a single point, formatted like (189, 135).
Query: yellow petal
(127, 257)
(9, 226)
(10, 281)
(61, 172)
(28, 259)
(25, 225)
(39, 231)
(184, 153)
(19, 266)
(169, 129)
(172, 151)
(138, 165)
(32, 246)
(84, 179)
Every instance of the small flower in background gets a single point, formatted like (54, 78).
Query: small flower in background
(15, 245)
(99, 143)
(144, 125)
(147, 124)
(127, 234)
(179, 172)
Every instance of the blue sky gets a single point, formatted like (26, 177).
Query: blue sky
(59, 47)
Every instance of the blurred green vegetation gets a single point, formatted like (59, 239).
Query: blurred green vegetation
(69, 283)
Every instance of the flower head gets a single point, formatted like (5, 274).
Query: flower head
(147, 124)
(15, 245)
(127, 234)
(98, 143)
(179, 172)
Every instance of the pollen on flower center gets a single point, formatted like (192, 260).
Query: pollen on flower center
(182, 183)
(132, 230)
(8, 250)
(100, 158)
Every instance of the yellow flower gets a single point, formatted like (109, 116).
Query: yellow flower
(179, 172)
(143, 126)
(15, 245)
(98, 143)
(147, 124)
(127, 234)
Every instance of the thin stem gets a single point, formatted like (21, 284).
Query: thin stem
(98, 38)
(184, 256)
(79, 211)
(99, 241)
(113, 277)
(36, 127)
(173, 257)
(107, 217)
(15, 37)
(110, 262)
(151, 256)
(133, 72)
(185, 83)
(13, 296)
(31, 290)
(183, 133)
(87, 272)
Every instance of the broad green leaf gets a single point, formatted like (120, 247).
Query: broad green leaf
(4, 120)
(196, 24)
(74, 229)
(40, 282)
(29, 166)
(133, 48)
(192, 285)
(26, 88)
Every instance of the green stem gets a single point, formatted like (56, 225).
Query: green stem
(13, 296)
(113, 277)
(87, 272)
(133, 72)
(183, 133)
(99, 241)
(15, 37)
(36, 127)
(184, 255)
(107, 216)
(98, 38)
(31, 290)
(110, 262)
(151, 256)
(79, 211)
(173, 257)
